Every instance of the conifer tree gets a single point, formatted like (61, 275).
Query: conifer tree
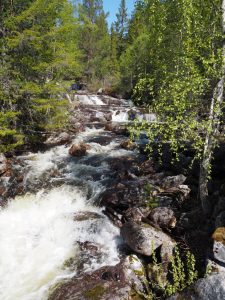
(121, 26)
(39, 53)
(94, 40)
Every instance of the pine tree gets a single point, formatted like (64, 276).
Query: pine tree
(94, 40)
(121, 26)
(39, 55)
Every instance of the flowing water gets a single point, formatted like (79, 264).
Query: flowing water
(39, 231)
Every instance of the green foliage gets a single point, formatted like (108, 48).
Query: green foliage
(151, 200)
(176, 72)
(38, 55)
(181, 274)
(94, 41)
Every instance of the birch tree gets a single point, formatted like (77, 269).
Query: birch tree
(213, 127)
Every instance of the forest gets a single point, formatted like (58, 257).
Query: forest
(167, 57)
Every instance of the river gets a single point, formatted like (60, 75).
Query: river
(39, 230)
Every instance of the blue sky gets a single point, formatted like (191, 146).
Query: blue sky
(111, 6)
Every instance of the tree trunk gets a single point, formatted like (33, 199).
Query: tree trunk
(212, 131)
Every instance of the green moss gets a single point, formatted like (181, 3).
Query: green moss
(135, 296)
(95, 293)
(139, 272)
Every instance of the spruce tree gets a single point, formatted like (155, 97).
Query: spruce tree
(39, 54)
(94, 40)
(121, 26)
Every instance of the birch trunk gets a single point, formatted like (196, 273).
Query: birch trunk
(214, 123)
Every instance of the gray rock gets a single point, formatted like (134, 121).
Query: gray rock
(79, 149)
(62, 139)
(162, 217)
(144, 239)
(3, 164)
(210, 288)
(135, 214)
(108, 283)
(86, 215)
(173, 181)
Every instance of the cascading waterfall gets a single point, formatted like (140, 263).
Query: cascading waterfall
(39, 232)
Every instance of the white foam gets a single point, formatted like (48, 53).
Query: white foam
(120, 117)
(38, 234)
(90, 100)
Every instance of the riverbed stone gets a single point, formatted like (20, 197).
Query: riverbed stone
(173, 181)
(79, 149)
(110, 282)
(135, 214)
(162, 217)
(128, 145)
(145, 239)
(61, 139)
(86, 215)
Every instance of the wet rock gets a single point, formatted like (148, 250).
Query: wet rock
(219, 244)
(88, 252)
(134, 194)
(135, 214)
(86, 215)
(102, 139)
(62, 139)
(173, 181)
(124, 168)
(147, 168)
(3, 164)
(100, 91)
(77, 127)
(162, 217)
(144, 239)
(110, 126)
(113, 216)
(116, 282)
(108, 117)
(79, 149)
(212, 287)
(177, 195)
(128, 145)
(116, 128)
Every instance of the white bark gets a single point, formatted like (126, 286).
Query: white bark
(214, 119)
(68, 98)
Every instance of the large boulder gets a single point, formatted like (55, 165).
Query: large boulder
(209, 288)
(145, 239)
(79, 149)
(61, 139)
(173, 181)
(135, 214)
(111, 282)
(128, 145)
(162, 217)
(219, 244)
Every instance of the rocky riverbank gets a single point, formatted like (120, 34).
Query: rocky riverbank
(140, 208)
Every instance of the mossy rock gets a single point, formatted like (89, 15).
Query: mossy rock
(95, 293)
(219, 235)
